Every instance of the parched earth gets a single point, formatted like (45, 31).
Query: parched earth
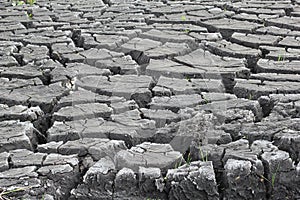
(136, 99)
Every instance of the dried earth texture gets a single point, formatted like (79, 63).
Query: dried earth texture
(148, 100)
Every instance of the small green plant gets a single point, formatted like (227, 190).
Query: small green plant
(274, 174)
(183, 18)
(23, 2)
(273, 177)
(188, 79)
(203, 158)
(31, 2)
(206, 101)
(7, 192)
(189, 159)
(17, 3)
(30, 15)
(280, 58)
(187, 30)
(178, 164)
(250, 97)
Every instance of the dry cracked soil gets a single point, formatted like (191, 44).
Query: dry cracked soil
(148, 100)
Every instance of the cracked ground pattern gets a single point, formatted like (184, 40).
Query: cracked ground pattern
(144, 100)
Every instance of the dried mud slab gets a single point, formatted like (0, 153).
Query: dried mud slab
(177, 100)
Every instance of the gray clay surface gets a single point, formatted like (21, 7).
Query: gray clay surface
(150, 100)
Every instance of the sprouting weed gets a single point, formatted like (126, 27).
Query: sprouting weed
(4, 193)
(280, 58)
(274, 174)
(188, 79)
(273, 177)
(203, 158)
(250, 97)
(20, 3)
(31, 2)
(183, 18)
(206, 101)
(23, 2)
(189, 158)
(178, 164)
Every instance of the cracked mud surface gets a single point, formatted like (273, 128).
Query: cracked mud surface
(150, 100)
